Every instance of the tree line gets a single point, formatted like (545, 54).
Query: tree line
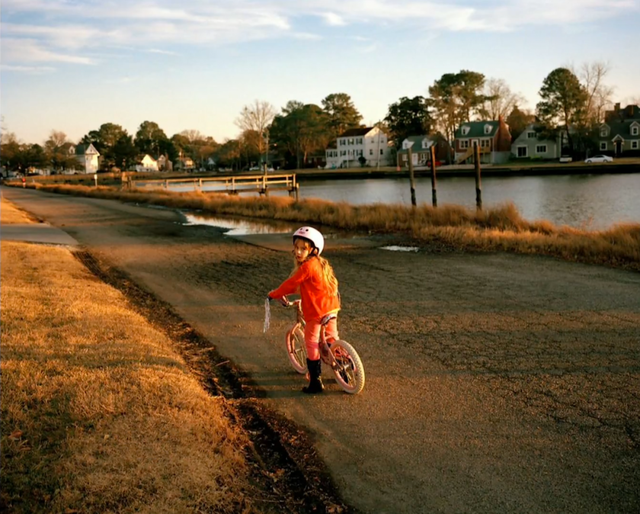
(572, 102)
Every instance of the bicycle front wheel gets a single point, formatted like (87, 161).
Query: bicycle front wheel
(296, 349)
(347, 368)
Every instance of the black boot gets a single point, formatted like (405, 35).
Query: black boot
(315, 382)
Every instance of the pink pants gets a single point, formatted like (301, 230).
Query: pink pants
(312, 336)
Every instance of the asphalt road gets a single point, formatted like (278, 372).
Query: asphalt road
(495, 382)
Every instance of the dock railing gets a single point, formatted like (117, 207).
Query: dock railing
(232, 185)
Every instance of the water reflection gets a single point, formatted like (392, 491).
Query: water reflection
(238, 227)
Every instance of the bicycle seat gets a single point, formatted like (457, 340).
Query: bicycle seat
(328, 318)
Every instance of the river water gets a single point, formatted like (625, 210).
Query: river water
(590, 202)
(583, 201)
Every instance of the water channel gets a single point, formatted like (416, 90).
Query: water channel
(591, 202)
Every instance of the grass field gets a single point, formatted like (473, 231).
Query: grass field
(99, 412)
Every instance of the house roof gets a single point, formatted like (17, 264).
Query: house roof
(84, 149)
(619, 128)
(360, 131)
(417, 143)
(477, 129)
(532, 126)
(630, 112)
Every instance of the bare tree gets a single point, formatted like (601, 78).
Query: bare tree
(599, 95)
(257, 117)
(192, 135)
(500, 100)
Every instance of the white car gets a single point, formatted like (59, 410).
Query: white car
(599, 158)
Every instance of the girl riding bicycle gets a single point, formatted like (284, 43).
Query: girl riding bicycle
(313, 277)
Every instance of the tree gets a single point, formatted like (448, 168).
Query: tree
(408, 117)
(257, 117)
(58, 151)
(12, 155)
(455, 97)
(563, 103)
(125, 152)
(341, 112)
(104, 140)
(499, 99)
(518, 121)
(599, 95)
(299, 131)
(151, 139)
(228, 154)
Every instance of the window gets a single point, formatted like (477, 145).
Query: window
(487, 129)
(541, 149)
(381, 151)
(523, 151)
(635, 144)
(370, 151)
(634, 131)
(465, 130)
(464, 144)
(485, 143)
(531, 134)
(603, 145)
(604, 132)
(350, 141)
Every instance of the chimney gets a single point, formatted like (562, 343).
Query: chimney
(617, 107)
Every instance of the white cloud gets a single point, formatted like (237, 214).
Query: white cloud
(27, 69)
(30, 50)
(333, 19)
(163, 52)
(62, 30)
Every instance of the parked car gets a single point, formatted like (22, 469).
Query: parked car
(566, 158)
(598, 158)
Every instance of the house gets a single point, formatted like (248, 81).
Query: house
(493, 139)
(185, 163)
(620, 133)
(532, 145)
(421, 150)
(148, 164)
(87, 156)
(164, 164)
(369, 143)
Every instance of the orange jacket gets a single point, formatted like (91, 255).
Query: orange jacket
(316, 299)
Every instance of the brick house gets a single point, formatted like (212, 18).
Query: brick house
(493, 139)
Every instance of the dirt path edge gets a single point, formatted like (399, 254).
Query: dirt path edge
(286, 469)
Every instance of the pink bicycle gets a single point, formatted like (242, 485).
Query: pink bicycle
(339, 355)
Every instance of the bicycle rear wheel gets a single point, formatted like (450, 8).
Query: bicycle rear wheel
(348, 368)
(296, 349)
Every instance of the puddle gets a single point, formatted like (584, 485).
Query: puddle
(400, 248)
(239, 227)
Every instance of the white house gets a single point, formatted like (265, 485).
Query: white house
(148, 163)
(370, 143)
(87, 156)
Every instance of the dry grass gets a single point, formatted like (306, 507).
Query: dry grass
(10, 215)
(99, 414)
(498, 228)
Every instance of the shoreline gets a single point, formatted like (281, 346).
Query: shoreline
(469, 171)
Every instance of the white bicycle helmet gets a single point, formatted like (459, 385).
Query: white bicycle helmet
(312, 235)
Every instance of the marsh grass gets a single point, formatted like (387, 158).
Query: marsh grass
(497, 228)
(99, 413)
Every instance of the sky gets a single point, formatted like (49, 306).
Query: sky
(72, 65)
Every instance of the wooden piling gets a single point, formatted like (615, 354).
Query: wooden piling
(476, 162)
(411, 178)
(434, 193)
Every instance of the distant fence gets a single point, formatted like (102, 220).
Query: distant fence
(261, 184)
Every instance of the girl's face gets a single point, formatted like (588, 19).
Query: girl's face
(301, 250)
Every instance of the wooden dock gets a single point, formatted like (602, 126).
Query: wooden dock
(233, 185)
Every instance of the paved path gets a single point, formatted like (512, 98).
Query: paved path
(495, 382)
